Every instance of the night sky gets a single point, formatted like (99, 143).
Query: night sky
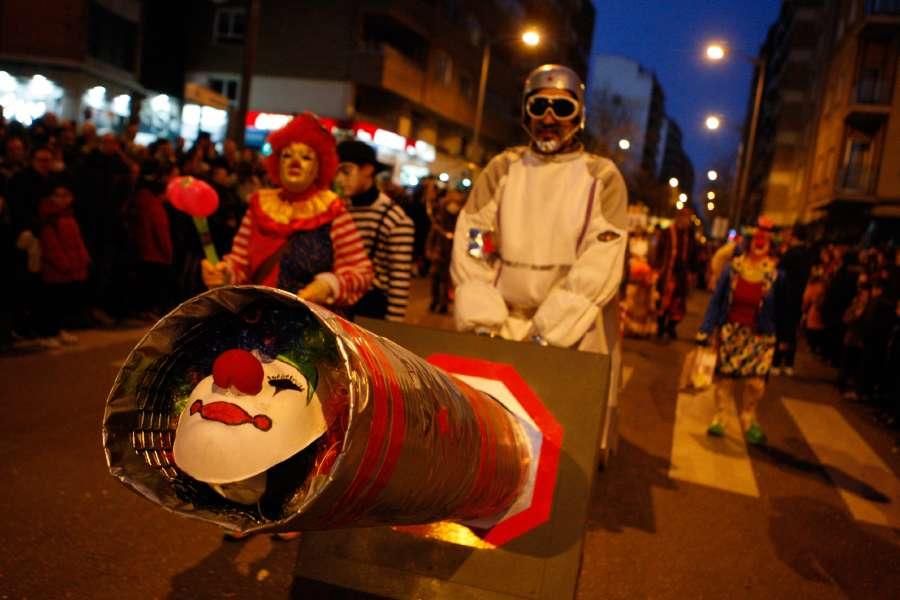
(668, 37)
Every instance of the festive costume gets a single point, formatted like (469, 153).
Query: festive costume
(639, 306)
(742, 311)
(299, 237)
(676, 254)
(387, 232)
(539, 248)
(552, 249)
(388, 236)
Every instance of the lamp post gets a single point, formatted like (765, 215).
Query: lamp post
(530, 37)
(715, 52)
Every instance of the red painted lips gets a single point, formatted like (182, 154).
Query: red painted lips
(229, 414)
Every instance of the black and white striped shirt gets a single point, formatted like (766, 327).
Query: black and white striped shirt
(387, 234)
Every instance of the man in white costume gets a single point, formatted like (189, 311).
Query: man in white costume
(539, 247)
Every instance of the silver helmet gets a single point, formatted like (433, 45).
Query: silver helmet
(558, 77)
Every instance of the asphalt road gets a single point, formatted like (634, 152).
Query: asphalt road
(676, 515)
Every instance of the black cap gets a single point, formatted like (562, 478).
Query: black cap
(359, 153)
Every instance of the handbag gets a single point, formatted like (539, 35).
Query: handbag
(704, 368)
(698, 369)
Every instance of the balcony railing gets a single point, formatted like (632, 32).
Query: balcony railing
(883, 7)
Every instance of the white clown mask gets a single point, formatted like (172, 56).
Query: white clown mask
(246, 417)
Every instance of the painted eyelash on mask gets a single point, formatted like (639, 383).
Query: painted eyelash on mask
(284, 382)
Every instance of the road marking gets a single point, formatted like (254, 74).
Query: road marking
(721, 463)
(851, 463)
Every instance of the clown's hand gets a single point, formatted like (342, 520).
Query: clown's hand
(318, 291)
(215, 275)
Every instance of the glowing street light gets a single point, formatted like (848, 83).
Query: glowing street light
(710, 206)
(715, 51)
(673, 182)
(682, 197)
(712, 175)
(713, 122)
(679, 205)
(531, 37)
(624, 144)
(444, 177)
(710, 195)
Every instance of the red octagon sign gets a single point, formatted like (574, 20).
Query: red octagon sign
(504, 383)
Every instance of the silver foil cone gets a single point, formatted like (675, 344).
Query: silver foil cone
(406, 443)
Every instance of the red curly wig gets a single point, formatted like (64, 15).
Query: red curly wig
(305, 129)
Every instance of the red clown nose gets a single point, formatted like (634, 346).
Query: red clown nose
(240, 369)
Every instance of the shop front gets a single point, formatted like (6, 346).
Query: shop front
(204, 110)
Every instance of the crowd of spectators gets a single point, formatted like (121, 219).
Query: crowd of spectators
(851, 316)
(87, 238)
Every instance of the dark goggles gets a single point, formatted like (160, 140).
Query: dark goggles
(560, 106)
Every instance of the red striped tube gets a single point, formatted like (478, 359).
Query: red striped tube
(407, 443)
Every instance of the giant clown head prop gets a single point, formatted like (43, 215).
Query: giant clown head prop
(251, 413)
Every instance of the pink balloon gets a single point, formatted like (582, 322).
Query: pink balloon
(192, 196)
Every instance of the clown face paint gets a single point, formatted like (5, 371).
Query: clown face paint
(761, 243)
(299, 167)
(225, 434)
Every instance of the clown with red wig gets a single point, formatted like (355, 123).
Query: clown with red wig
(298, 236)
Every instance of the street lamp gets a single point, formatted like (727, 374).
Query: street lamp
(531, 38)
(673, 182)
(715, 51)
(713, 122)
(712, 175)
(710, 195)
(624, 144)
(682, 197)
(710, 206)
(679, 205)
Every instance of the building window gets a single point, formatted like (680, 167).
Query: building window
(111, 37)
(227, 86)
(873, 85)
(229, 25)
(856, 172)
(443, 71)
(466, 86)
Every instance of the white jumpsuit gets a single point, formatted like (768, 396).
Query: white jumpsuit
(558, 225)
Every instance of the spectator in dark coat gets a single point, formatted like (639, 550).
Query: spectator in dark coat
(795, 266)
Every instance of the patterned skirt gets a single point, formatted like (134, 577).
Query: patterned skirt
(743, 353)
